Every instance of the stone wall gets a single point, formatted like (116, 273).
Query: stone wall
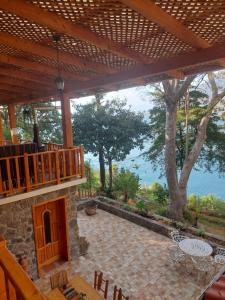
(16, 225)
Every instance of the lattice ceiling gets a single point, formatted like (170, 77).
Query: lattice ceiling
(119, 35)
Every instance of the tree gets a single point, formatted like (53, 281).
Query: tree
(48, 120)
(127, 183)
(188, 117)
(109, 130)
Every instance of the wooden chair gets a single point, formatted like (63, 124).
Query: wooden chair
(59, 280)
(118, 295)
(99, 282)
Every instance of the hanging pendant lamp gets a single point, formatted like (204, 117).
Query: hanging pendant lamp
(58, 80)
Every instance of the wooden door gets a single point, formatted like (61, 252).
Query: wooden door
(50, 232)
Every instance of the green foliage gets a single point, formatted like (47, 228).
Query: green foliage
(162, 211)
(109, 127)
(128, 207)
(156, 192)
(141, 207)
(200, 232)
(212, 156)
(208, 202)
(126, 183)
(92, 177)
(49, 122)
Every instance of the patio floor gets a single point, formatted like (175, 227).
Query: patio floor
(132, 257)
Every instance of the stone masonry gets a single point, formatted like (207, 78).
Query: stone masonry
(16, 225)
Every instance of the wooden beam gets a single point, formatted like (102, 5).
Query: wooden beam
(180, 62)
(61, 25)
(23, 83)
(40, 50)
(13, 89)
(66, 122)
(208, 55)
(16, 73)
(12, 122)
(37, 67)
(154, 13)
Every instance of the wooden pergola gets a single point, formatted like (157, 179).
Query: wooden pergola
(105, 45)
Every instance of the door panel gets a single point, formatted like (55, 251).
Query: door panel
(50, 231)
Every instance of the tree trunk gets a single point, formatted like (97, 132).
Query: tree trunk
(175, 205)
(102, 168)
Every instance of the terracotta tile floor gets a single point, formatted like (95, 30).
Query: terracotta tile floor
(134, 258)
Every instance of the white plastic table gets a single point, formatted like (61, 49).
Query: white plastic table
(195, 247)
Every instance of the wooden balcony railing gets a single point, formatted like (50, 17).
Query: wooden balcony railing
(5, 142)
(14, 282)
(53, 146)
(34, 170)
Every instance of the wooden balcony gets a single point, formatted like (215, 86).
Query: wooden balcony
(24, 173)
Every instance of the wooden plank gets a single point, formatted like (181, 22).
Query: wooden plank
(36, 67)
(23, 83)
(17, 173)
(35, 169)
(9, 177)
(27, 172)
(162, 66)
(40, 50)
(15, 73)
(83, 286)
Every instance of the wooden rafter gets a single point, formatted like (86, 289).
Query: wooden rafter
(153, 12)
(61, 25)
(13, 89)
(162, 66)
(37, 67)
(15, 73)
(203, 56)
(22, 83)
(40, 50)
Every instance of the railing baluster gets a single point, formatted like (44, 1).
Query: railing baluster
(17, 173)
(50, 165)
(1, 183)
(10, 186)
(64, 163)
(57, 167)
(34, 159)
(42, 169)
(27, 171)
(70, 162)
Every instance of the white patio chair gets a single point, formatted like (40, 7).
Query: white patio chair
(176, 236)
(176, 255)
(204, 266)
(219, 258)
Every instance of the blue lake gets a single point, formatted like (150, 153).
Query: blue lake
(200, 182)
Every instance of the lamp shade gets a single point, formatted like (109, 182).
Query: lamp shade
(59, 83)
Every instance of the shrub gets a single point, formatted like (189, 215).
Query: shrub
(127, 183)
(156, 192)
(141, 207)
(200, 232)
(162, 211)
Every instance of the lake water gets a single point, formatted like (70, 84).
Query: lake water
(200, 183)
